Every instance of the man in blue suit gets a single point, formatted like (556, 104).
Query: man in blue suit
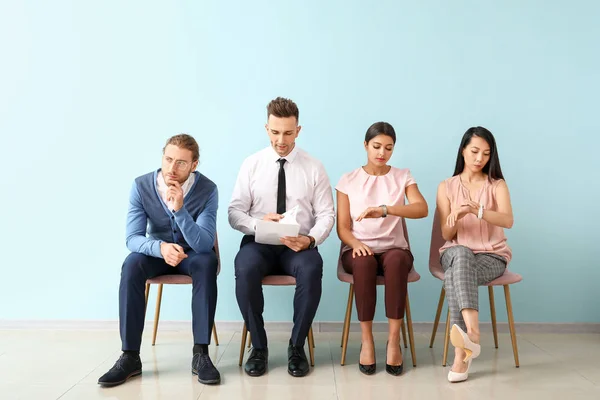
(171, 228)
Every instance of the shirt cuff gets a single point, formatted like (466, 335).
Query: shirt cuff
(317, 237)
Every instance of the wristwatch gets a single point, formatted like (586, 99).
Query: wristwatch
(312, 242)
(384, 207)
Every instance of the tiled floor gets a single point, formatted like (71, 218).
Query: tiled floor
(66, 364)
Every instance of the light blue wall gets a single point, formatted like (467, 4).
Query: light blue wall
(89, 91)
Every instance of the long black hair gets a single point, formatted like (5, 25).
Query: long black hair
(380, 128)
(492, 168)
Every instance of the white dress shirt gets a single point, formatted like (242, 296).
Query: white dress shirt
(162, 187)
(307, 185)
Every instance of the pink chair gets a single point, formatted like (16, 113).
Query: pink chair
(508, 278)
(176, 279)
(278, 280)
(343, 276)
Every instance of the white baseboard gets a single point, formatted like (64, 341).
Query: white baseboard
(318, 326)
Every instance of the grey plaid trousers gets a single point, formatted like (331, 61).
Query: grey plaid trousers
(464, 273)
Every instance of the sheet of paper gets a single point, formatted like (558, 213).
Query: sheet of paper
(289, 217)
(269, 232)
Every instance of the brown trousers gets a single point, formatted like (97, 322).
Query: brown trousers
(394, 265)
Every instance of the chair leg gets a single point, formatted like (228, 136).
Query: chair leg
(347, 324)
(437, 316)
(243, 343)
(511, 324)
(446, 338)
(493, 314)
(157, 313)
(404, 337)
(146, 300)
(249, 339)
(311, 347)
(411, 336)
(215, 334)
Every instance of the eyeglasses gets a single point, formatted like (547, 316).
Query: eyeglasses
(179, 164)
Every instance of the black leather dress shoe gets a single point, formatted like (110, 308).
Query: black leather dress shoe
(257, 362)
(205, 369)
(127, 366)
(297, 362)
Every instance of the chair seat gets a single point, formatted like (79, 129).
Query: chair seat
(279, 280)
(178, 279)
(173, 279)
(438, 274)
(507, 278)
(413, 276)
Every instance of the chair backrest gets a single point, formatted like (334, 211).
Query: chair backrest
(216, 247)
(405, 230)
(437, 241)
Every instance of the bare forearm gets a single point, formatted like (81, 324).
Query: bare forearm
(502, 220)
(449, 233)
(412, 211)
(346, 236)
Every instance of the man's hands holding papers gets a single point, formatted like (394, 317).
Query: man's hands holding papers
(297, 243)
(272, 217)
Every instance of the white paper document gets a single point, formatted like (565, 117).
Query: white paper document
(269, 232)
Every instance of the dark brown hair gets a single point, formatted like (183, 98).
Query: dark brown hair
(282, 108)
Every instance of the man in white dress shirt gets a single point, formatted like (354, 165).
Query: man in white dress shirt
(270, 182)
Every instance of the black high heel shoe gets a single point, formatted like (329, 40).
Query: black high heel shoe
(366, 369)
(393, 369)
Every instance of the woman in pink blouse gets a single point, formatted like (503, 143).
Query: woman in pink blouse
(370, 208)
(474, 207)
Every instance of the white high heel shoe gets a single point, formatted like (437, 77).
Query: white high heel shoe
(459, 376)
(460, 339)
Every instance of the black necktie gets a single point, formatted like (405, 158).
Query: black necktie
(281, 187)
